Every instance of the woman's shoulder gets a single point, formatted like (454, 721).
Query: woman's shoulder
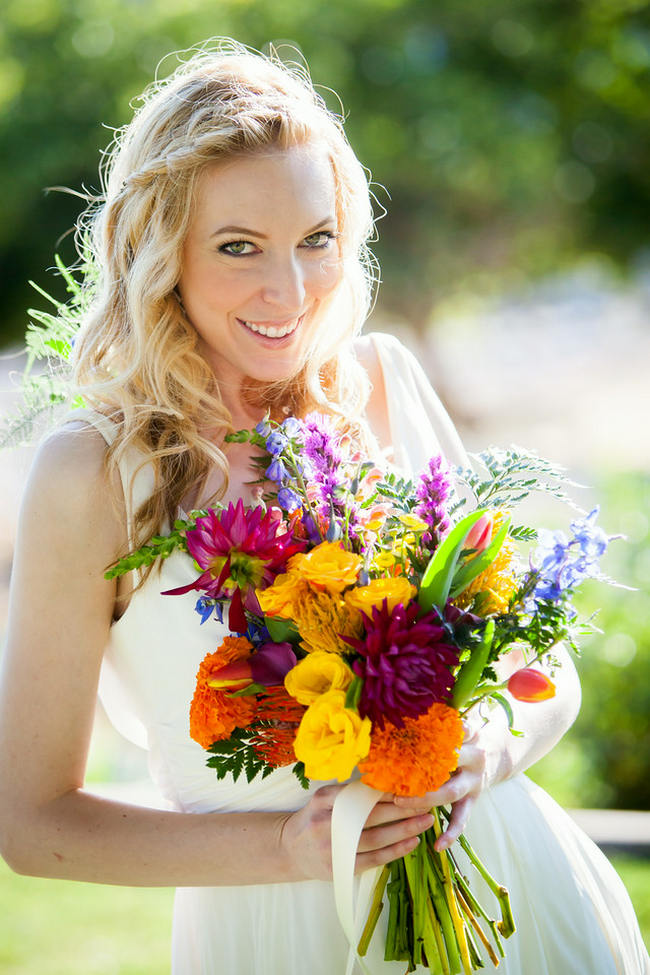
(71, 480)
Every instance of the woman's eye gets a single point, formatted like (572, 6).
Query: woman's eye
(238, 248)
(320, 239)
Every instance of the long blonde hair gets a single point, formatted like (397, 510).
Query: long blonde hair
(136, 358)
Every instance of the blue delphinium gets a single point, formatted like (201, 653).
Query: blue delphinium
(559, 564)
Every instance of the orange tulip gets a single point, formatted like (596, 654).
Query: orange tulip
(531, 685)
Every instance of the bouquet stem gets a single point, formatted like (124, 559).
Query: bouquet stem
(434, 919)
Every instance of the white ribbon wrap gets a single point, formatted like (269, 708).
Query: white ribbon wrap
(352, 807)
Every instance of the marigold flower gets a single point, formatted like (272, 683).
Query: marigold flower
(316, 674)
(327, 567)
(331, 738)
(393, 590)
(493, 588)
(323, 619)
(215, 714)
(275, 743)
(417, 758)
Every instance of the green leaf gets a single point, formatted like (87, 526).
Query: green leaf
(281, 630)
(354, 693)
(437, 579)
(250, 689)
(465, 574)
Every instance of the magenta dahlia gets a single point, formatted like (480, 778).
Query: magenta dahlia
(241, 549)
(404, 664)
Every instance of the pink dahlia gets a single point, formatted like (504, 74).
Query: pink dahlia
(404, 664)
(241, 550)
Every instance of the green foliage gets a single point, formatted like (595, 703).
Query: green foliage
(510, 137)
(506, 478)
(238, 754)
(159, 547)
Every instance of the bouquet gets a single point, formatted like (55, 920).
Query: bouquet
(367, 613)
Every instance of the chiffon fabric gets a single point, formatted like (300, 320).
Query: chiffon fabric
(572, 912)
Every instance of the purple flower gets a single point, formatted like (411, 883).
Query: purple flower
(405, 664)
(292, 427)
(559, 564)
(276, 443)
(432, 491)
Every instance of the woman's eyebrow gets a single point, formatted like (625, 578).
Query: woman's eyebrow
(230, 229)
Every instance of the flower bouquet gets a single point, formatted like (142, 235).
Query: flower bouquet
(367, 613)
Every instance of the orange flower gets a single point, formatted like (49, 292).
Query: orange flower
(327, 567)
(282, 598)
(275, 744)
(417, 758)
(214, 714)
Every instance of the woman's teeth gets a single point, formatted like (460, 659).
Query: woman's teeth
(272, 331)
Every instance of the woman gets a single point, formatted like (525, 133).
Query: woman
(234, 279)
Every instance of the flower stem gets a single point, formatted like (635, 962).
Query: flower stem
(450, 896)
(506, 925)
(375, 911)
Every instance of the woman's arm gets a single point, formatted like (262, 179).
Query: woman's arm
(60, 613)
(490, 753)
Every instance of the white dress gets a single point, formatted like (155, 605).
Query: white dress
(572, 912)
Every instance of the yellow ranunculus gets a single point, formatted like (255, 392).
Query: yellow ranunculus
(413, 522)
(316, 674)
(395, 590)
(331, 739)
(280, 599)
(327, 567)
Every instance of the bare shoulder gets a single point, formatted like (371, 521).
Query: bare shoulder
(70, 490)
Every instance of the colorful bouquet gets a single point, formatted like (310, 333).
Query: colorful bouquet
(367, 612)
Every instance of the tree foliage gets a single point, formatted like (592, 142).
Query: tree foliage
(510, 135)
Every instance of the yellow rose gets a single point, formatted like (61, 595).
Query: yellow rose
(328, 566)
(331, 739)
(316, 674)
(280, 599)
(395, 590)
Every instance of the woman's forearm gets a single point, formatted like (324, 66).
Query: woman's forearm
(80, 836)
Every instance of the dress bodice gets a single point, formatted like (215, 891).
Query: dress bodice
(156, 646)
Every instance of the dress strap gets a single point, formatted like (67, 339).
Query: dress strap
(420, 425)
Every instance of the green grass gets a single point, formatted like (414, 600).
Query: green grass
(53, 927)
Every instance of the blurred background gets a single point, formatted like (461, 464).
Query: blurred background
(509, 147)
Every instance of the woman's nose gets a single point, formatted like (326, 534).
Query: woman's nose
(284, 285)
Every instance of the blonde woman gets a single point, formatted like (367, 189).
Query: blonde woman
(234, 278)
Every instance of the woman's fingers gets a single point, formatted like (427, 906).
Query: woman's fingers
(460, 814)
(389, 833)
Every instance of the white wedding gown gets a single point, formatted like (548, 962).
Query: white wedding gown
(572, 912)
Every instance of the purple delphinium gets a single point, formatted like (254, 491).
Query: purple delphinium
(432, 491)
(324, 457)
(405, 664)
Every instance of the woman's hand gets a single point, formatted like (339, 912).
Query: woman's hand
(483, 760)
(390, 832)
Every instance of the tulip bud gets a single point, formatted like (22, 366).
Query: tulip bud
(531, 685)
(480, 534)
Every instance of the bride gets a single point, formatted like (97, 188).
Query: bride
(234, 279)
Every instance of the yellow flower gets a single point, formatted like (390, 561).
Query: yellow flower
(327, 567)
(395, 590)
(331, 739)
(414, 523)
(317, 674)
(281, 599)
(384, 560)
(322, 619)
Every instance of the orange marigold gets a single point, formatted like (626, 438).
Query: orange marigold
(322, 619)
(417, 758)
(497, 583)
(215, 714)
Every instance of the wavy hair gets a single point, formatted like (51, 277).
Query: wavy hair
(137, 357)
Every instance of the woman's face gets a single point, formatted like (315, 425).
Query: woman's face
(260, 259)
